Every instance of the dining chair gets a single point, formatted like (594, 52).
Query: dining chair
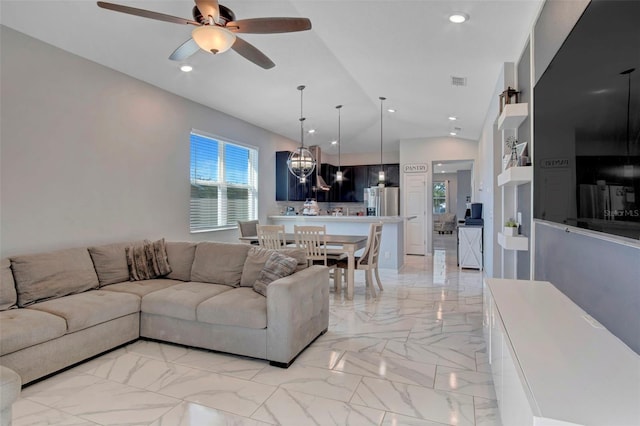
(368, 261)
(248, 228)
(311, 239)
(271, 236)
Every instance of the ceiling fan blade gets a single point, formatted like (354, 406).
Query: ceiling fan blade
(185, 50)
(209, 8)
(146, 13)
(251, 53)
(269, 25)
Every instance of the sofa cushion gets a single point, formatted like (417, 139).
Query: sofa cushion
(147, 261)
(110, 262)
(181, 300)
(257, 257)
(22, 328)
(219, 263)
(180, 256)
(53, 274)
(141, 288)
(240, 307)
(277, 266)
(8, 295)
(90, 308)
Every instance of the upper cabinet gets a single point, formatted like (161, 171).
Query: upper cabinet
(351, 189)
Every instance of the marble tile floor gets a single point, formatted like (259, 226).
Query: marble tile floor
(413, 356)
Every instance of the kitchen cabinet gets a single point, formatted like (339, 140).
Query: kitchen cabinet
(351, 189)
(288, 187)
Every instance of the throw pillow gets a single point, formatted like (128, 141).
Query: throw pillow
(277, 266)
(147, 261)
(257, 257)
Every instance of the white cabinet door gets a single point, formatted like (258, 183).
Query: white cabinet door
(470, 247)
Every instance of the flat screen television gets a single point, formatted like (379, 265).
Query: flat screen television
(587, 124)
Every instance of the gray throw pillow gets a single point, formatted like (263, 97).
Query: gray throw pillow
(277, 266)
(147, 261)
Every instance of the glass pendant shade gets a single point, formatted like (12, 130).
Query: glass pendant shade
(301, 163)
(213, 39)
(381, 176)
(339, 176)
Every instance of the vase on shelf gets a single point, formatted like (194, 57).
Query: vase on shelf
(510, 231)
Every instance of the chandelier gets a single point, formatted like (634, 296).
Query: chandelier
(301, 162)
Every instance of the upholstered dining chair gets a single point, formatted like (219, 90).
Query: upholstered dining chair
(248, 228)
(271, 236)
(368, 261)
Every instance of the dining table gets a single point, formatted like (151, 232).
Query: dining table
(336, 244)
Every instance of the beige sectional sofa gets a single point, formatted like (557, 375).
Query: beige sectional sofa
(62, 307)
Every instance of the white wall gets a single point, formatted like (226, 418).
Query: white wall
(427, 150)
(89, 155)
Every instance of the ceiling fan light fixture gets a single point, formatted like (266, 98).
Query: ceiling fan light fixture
(212, 38)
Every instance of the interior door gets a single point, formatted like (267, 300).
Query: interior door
(415, 205)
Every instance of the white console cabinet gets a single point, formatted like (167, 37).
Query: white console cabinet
(470, 246)
(554, 365)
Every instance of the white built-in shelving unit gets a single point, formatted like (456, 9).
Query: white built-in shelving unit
(511, 117)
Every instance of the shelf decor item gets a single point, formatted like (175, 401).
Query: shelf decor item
(510, 157)
(506, 97)
(510, 228)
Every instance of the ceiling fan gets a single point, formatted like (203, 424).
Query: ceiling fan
(216, 29)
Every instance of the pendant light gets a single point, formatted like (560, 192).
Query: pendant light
(301, 162)
(381, 172)
(339, 172)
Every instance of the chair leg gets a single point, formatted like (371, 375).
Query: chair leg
(369, 283)
(378, 279)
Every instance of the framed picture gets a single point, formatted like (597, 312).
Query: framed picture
(522, 154)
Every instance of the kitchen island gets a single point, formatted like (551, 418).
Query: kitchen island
(391, 249)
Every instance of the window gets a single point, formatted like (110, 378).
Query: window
(224, 183)
(440, 197)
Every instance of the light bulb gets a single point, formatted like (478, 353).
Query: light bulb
(339, 176)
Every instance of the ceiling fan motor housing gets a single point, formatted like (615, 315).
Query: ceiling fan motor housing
(226, 15)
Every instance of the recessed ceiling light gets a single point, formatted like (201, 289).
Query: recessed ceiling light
(312, 131)
(442, 171)
(458, 17)
(334, 142)
(453, 118)
(186, 68)
(391, 110)
(439, 164)
(452, 133)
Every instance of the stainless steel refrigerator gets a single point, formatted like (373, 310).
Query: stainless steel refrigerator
(382, 201)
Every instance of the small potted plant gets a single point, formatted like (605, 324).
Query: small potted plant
(511, 228)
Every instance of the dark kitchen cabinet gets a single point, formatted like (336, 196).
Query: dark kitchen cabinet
(288, 187)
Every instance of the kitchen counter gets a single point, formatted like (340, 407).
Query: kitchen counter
(392, 246)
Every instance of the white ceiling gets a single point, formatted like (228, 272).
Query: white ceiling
(357, 51)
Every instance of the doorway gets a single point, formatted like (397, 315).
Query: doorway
(415, 205)
(450, 191)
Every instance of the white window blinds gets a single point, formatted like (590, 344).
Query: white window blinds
(224, 183)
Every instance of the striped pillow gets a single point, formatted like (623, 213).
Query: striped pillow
(277, 266)
(147, 261)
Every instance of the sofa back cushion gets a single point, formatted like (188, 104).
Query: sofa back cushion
(110, 262)
(219, 263)
(181, 255)
(8, 295)
(54, 274)
(257, 257)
